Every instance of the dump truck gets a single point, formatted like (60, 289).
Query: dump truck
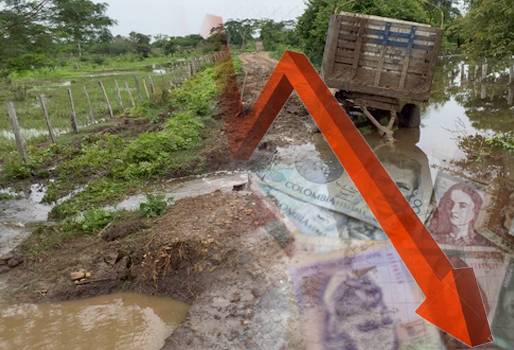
(381, 67)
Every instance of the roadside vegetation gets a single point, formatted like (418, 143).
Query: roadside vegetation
(161, 139)
(476, 29)
(49, 46)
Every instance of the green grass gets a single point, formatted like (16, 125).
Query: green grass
(154, 206)
(108, 164)
(73, 67)
(8, 196)
(25, 92)
(48, 237)
(502, 140)
(97, 194)
(111, 166)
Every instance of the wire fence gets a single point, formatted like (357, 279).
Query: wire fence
(71, 106)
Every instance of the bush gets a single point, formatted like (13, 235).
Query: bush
(97, 193)
(155, 205)
(95, 220)
(502, 140)
(16, 170)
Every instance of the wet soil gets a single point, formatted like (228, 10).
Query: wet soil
(226, 253)
(220, 252)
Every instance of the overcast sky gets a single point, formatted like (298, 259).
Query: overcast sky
(182, 17)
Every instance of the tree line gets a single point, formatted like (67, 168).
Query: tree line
(477, 28)
(35, 34)
(45, 33)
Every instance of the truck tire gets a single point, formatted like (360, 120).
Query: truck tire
(410, 116)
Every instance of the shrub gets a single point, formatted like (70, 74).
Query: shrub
(15, 169)
(155, 205)
(98, 192)
(502, 140)
(95, 220)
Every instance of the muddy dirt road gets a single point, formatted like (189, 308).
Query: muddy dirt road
(246, 257)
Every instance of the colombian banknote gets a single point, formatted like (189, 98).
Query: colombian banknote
(365, 301)
(503, 324)
(489, 268)
(461, 214)
(316, 221)
(313, 174)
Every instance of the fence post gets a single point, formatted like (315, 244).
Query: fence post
(90, 106)
(190, 71)
(483, 91)
(102, 87)
(138, 87)
(42, 101)
(146, 89)
(74, 124)
(118, 93)
(152, 84)
(20, 141)
(130, 94)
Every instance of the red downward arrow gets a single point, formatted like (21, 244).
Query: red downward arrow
(453, 301)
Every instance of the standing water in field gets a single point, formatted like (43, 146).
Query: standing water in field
(17, 214)
(118, 321)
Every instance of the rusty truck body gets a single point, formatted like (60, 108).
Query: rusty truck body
(381, 64)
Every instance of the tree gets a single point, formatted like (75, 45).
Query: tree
(313, 24)
(240, 32)
(178, 43)
(141, 43)
(80, 21)
(488, 29)
(160, 40)
(277, 35)
(25, 39)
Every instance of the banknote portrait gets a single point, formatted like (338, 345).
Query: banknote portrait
(360, 302)
(321, 167)
(457, 215)
(503, 324)
(453, 221)
(354, 309)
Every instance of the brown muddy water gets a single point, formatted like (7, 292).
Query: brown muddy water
(117, 321)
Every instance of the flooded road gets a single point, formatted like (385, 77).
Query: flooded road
(461, 188)
(311, 188)
(118, 321)
(19, 214)
(187, 188)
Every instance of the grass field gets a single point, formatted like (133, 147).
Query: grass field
(24, 92)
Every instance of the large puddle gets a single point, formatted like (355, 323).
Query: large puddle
(19, 214)
(118, 321)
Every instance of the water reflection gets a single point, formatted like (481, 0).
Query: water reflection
(120, 321)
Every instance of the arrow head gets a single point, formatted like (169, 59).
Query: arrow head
(456, 307)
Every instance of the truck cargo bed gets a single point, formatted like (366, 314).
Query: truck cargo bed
(381, 57)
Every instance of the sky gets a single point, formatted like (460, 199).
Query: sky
(177, 18)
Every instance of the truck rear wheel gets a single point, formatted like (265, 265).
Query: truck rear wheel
(410, 116)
